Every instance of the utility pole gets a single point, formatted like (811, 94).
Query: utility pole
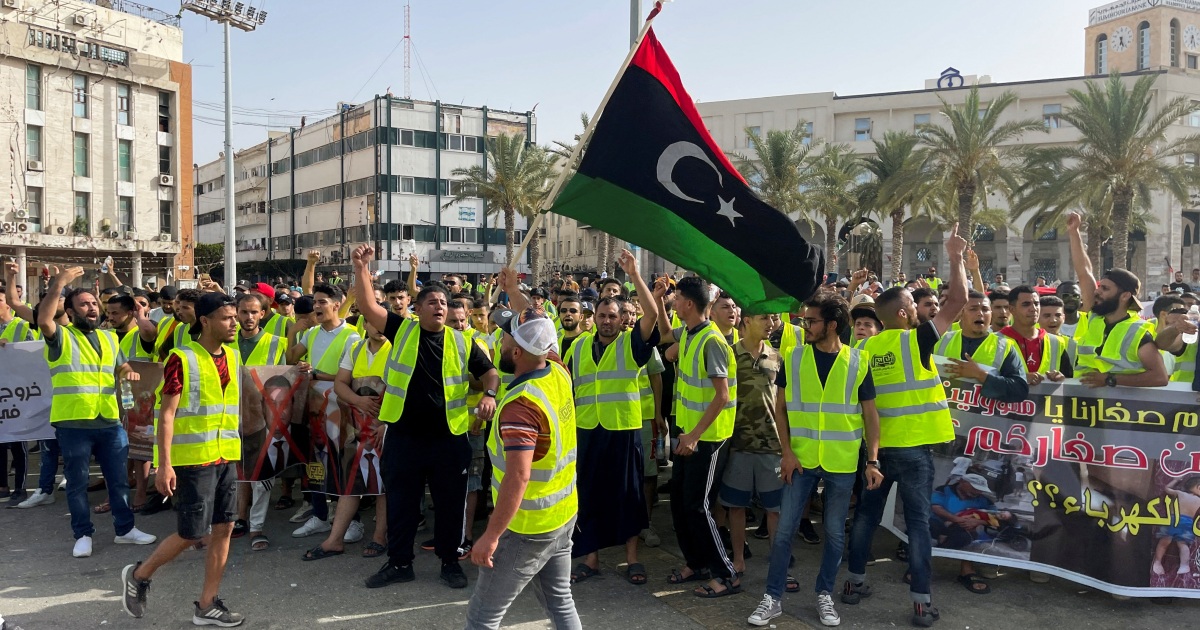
(407, 52)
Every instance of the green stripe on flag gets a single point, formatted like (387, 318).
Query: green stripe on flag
(644, 223)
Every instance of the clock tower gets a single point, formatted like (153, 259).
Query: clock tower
(1131, 35)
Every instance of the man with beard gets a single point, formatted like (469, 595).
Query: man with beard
(83, 360)
(1117, 347)
(913, 416)
(125, 316)
(425, 403)
(1045, 353)
(570, 316)
(927, 306)
(175, 331)
(274, 324)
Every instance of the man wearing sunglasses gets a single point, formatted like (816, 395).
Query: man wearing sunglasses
(570, 316)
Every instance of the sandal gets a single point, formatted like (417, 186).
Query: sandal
(707, 592)
(103, 508)
(137, 509)
(972, 582)
(792, 586)
(240, 527)
(320, 553)
(636, 574)
(583, 572)
(902, 552)
(259, 542)
(677, 577)
(373, 550)
(285, 503)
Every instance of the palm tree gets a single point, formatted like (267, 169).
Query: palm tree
(834, 197)
(900, 181)
(1122, 156)
(780, 174)
(517, 180)
(969, 155)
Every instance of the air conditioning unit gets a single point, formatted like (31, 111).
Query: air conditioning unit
(12, 4)
(166, 180)
(23, 227)
(57, 230)
(8, 227)
(113, 234)
(131, 235)
(22, 213)
(81, 20)
(542, 232)
(34, 165)
(164, 237)
(299, 250)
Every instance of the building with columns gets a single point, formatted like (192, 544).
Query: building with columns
(1134, 37)
(98, 102)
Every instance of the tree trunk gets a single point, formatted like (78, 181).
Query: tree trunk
(510, 217)
(1122, 200)
(535, 260)
(897, 242)
(831, 256)
(1095, 240)
(601, 253)
(966, 210)
(613, 252)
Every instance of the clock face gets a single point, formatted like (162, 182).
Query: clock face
(1121, 39)
(1191, 37)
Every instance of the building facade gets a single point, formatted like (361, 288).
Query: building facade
(1166, 42)
(379, 172)
(99, 104)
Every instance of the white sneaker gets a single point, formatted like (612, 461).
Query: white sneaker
(768, 609)
(354, 533)
(826, 612)
(314, 525)
(36, 499)
(135, 536)
(62, 485)
(83, 547)
(302, 514)
(651, 537)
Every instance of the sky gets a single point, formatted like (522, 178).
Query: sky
(561, 55)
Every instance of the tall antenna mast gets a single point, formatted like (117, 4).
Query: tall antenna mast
(407, 53)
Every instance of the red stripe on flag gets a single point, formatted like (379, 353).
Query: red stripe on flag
(652, 58)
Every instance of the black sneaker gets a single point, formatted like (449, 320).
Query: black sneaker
(464, 550)
(807, 533)
(389, 574)
(924, 615)
(429, 545)
(746, 553)
(134, 591)
(17, 496)
(751, 517)
(761, 532)
(854, 593)
(216, 615)
(453, 576)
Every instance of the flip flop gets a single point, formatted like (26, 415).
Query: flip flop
(285, 503)
(259, 542)
(707, 592)
(320, 553)
(677, 577)
(636, 574)
(137, 509)
(972, 581)
(583, 572)
(373, 550)
(792, 586)
(240, 527)
(103, 508)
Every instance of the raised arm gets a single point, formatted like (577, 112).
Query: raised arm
(1081, 263)
(956, 295)
(413, 265)
(511, 284)
(310, 271)
(665, 333)
(649, 317)
(367, 306)
(48, 306)
(11, 271)
(971, 261)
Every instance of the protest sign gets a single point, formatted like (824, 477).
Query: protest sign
(24, 393)
(273, 429)
(345, 453)
(139, 421)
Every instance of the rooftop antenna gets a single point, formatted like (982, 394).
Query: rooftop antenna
(407, 53)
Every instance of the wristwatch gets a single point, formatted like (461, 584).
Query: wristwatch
(490, 393)
(1111, 380)
(873, 462)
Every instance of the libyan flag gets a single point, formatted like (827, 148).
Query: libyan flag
(653, 176)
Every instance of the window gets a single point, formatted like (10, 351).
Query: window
(80, 85)
(921, 119)
(982, 112)
(407, 184)
(33, 87)
(1193, 62)
(862, 128)
(123, 92)
(752, 132)
(406, 137)
(1143, 50)
(164, 112)
(1190, 160)
(1194, 117)
(1050, 116)
(33, 204)
(460, 187)
(808, 133)
(82, 202)
(33, 143)
(1174, 43)
(164, 159)
(124, 161)
(81, 155)
(1102, 54)
(471, 144)
(164, 217)
(124, 214)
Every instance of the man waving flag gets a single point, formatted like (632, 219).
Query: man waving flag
(652, 175)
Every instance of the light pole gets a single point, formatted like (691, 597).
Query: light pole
(237, 15)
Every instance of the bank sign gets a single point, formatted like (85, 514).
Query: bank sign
(1122, 8)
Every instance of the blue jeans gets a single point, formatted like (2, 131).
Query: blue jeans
(838, 488)
(911, 468)
(49, 465)
(110, 446)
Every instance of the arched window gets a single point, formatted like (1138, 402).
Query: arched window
(1102, 54)
(1175, 43)
(1143, 46)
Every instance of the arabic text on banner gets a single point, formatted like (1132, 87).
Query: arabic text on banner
(24, 393)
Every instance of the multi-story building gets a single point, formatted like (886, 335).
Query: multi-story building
(99, 102)
(1134, 37)
(379, 172)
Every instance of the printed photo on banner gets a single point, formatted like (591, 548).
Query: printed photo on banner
(1098, 486)
(24, 393)
(363, 441)
(274, 433)
(139, 421)
(324, 470)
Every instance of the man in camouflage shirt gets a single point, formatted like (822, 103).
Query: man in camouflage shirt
(754, 458)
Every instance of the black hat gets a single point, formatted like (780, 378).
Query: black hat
(210, 302)
(304, 305)
(167, 293)
(283, 298)
(1126, 281)
(539, 292)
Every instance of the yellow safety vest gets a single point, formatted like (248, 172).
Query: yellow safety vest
(179, 335)
(362, 367)
(991, 351)
(695, 390)
(550, 500)
(613, 384)
(825, 421)
(646, 393)
(402, 361)
(206, 421)
(278, 326)
(1118, 353)
(910, 397)
(474, 397)
(17, 330)
(84, 381)
(1053, 349)
(1185, 366)
(268, 350)
(131, 347)
(793, 336)
(328, 364)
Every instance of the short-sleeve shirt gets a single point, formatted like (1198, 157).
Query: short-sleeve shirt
(523, 426)
(946, 498)
(754, 428)
(347, 362)
(173, 373)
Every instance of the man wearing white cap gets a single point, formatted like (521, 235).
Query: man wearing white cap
(532, 449)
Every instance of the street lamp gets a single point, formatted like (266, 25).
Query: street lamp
(247, 19)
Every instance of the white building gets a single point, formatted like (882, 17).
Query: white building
(1130, 36)
(379, 172)
(99, 104)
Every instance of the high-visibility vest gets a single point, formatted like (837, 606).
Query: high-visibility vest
(793, 336)
(268, 350)
(550, 500)
(278, 326)
(611, 385)
(1053, 349)
(696, 391)
(131, 347)
(206, 421)
(646, 393)
(1185, 366)
(910, 397)
(1118, 353)
(825, 421)
(991, 351)
(473, 337)
(1081, 327)
(84, 381)
(934, 284)
(402, 361)
(328, 363)
(171, 328)
(490, 343)
(16, 330)
(375, 366)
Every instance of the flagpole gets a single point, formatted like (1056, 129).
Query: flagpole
(583, 139)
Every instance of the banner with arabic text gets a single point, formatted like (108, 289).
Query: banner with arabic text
(24, 393)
